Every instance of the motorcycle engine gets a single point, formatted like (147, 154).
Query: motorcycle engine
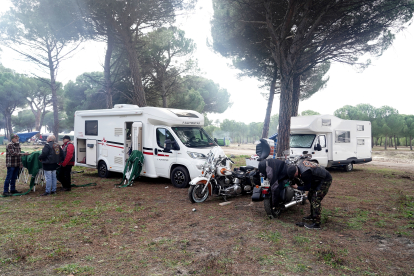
(233, 190)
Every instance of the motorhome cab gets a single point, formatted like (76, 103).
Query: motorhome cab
(331, 140)
(173, 141)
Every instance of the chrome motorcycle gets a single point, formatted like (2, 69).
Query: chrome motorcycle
(218, 179)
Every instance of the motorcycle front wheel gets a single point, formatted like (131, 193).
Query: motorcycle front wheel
(270, 211)
(196, 195)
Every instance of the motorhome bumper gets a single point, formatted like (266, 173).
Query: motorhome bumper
(346, 162)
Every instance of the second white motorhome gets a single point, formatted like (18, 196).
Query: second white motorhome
(331, 141)
(173, 141)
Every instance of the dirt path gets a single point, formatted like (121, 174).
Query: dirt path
(401, 160)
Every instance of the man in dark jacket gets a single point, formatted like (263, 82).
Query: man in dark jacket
(276, 172)
(50, 157)
(13, 164)
(67, 164)
(317, 181)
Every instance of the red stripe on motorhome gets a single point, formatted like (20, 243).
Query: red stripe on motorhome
(112, 146)
(148, 153)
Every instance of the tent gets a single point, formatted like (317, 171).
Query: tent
(26, 136)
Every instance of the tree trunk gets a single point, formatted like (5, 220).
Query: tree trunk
(411, 142)
(381, 142)
(53, 87)
(285, 111)
(9, 126)
(138, 97)
(395, 141)
(265, 132)
(386, 141)
(164, 94)
(296, 95)
(107, 68)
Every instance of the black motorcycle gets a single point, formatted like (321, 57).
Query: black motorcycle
(285, 194)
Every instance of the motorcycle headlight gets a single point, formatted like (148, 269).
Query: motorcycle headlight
(200, 166)
(196, 155)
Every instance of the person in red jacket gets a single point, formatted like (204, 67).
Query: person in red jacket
(67, 164)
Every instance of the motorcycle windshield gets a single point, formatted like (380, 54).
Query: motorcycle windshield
(194, 137)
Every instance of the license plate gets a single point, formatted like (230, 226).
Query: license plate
(264, 182)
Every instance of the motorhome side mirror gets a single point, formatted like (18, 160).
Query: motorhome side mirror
(318, 147)
(167, 145)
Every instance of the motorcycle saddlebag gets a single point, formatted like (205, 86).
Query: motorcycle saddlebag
(257, 194)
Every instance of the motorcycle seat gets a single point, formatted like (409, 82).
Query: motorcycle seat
(246, 168)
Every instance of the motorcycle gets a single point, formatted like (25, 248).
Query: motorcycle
(287, 196)
(218, 179)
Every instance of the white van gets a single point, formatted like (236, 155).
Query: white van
(173, 141)
(332, 141)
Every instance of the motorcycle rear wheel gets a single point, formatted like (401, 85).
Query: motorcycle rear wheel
(270, 211)
(196, 195)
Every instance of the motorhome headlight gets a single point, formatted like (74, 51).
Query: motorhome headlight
(196, 155)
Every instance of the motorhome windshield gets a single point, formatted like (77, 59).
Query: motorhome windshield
(301, 140)
(193, 137)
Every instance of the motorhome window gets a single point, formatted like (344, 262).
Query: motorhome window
(162, 135)
(301, 140)
(342, 136)
(326, 122)
(360, 127)
(361, 142)
(91, 128)
(193, 137)
(322, 141)
(181, 113)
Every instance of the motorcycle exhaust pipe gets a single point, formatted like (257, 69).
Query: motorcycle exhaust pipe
(292, 203)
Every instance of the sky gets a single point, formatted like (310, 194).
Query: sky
(387, 81)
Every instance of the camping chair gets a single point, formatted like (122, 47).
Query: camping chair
(40, 179)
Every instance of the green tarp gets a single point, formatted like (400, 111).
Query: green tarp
(133, 168)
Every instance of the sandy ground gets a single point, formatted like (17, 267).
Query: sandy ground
(402, 160)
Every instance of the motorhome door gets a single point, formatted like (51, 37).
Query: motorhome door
(137, 136)
(91, 152)
(322, 155)
(163, 159)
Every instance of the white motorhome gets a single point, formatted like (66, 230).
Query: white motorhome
(173, 141)
(332, 141)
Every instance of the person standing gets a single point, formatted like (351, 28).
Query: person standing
(50, 157)
(13, 164)
(67, 164)
(317, 181)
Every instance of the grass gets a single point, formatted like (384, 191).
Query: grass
(149, 230)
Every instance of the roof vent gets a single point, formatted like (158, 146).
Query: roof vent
(126, 106)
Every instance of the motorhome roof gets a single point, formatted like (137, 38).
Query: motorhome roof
(314, 123)
(155, 115)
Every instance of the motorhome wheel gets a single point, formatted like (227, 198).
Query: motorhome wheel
(180, 177)
(103, 169)
(349, 167)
